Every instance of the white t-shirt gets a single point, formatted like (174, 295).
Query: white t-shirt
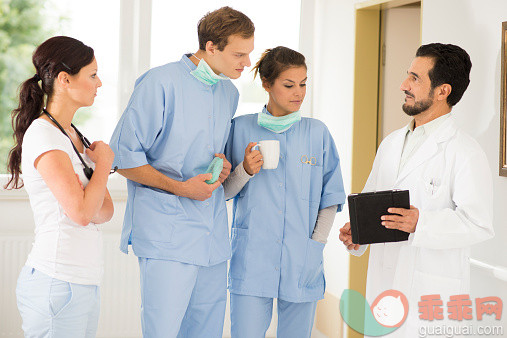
(62, 248)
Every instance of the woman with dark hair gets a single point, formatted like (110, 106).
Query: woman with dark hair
(65, 177)
(282, 217)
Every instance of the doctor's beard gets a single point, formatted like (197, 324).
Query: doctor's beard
(419, 106)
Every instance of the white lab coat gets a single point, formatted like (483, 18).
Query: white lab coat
(450, 183)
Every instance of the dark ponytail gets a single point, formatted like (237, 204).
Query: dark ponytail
(31, 100)
(275, 61)
(57, 54)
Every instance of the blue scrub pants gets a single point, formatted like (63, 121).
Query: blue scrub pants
(182, 300)
(54, 308)
(251, 316)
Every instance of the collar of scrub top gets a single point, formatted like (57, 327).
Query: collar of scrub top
(191, 66)
(86, 143)
(186, 60)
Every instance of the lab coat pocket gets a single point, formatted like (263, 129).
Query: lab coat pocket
(434, 186)
(239, 246)
(425, 284)
(313, 270)
(311, 182)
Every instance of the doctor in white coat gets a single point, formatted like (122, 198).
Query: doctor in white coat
(450, 185)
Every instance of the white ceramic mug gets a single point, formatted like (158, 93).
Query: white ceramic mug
(270, 151)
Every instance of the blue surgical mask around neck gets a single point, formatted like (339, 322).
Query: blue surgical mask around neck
(205, 74)
(277, 124)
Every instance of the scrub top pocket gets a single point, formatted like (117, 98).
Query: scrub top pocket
(243, 191)
(311, 182)
(313, 270)
(160, 229)
(239, 249)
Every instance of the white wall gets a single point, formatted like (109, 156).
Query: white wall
(476, 27)
(332, 82)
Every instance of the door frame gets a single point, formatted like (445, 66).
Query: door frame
(366, 117)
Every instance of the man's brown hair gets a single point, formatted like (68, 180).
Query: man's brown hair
(218, 25)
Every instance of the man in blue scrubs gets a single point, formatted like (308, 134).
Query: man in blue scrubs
(177, 120)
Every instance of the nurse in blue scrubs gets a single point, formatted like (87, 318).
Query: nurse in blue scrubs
(282, 216)
(177, 120)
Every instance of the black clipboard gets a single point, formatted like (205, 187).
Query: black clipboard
(365, 210)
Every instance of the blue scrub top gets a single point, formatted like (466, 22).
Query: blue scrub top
(176, 124)
(275, 212)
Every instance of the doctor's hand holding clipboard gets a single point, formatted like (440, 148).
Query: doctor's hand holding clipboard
(401, 219)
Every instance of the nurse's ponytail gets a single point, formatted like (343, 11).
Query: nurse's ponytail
(275, 61)
(57, 54)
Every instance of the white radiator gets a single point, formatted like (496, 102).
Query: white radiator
(120, 297)
(13, 253)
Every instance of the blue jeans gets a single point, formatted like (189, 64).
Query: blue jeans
(53, 308)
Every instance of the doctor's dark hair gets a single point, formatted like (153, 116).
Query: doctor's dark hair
(55, 55)
(218, 25)
(451, 65)
(275, 61)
